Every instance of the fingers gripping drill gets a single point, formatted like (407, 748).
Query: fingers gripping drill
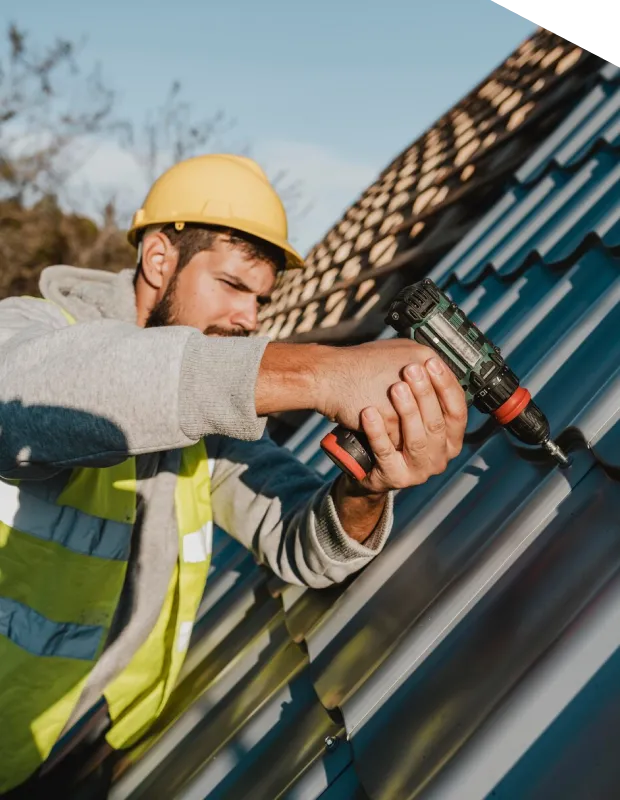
(424, 313)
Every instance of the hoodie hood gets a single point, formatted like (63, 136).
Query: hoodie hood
(91, 294)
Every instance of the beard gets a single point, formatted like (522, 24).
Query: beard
(164, 314)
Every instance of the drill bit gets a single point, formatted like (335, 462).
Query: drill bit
(556, 452)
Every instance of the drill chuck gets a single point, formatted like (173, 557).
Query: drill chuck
(512, 406)
(521, 417)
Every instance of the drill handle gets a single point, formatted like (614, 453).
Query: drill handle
(350, 451)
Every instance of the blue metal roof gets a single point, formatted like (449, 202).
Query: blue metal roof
(596, 120)
(479, 655)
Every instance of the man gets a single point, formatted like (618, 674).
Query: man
(126, 431)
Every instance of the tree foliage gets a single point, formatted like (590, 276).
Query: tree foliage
(53, 113)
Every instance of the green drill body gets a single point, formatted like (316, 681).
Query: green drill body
(424, 313)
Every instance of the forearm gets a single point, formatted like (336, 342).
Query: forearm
(285, 513)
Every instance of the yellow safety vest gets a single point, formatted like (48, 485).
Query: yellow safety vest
(62, 569)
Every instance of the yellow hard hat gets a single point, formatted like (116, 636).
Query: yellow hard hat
(226, 190)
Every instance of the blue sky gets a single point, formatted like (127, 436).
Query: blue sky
(331, 92)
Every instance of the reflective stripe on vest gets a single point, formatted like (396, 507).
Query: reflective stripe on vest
(62, 569)
(159, 660)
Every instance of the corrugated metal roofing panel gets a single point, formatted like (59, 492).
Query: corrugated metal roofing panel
(549, 221)
(562, 717)
(357, 638)
(596, 119)
(587, 732)
(544, 570)
(583, 361)
(357, 621)
(273, 752)
(205, 734)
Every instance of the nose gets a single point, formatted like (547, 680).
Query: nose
(245, 315)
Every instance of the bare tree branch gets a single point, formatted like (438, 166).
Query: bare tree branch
(47, 108)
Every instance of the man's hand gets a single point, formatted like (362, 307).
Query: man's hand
(432, 414)
(340, 382)
(366, 378)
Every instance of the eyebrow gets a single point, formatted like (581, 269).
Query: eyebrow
(262, 299)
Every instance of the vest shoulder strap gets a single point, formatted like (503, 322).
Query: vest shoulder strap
(70, 319)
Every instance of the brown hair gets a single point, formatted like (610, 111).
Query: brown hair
(195, 238)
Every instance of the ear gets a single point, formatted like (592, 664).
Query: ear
(159, 260)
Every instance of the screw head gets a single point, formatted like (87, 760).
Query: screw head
(331, 742)
(395, 314)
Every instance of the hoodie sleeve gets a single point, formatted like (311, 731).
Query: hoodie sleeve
(283, 512)
(92, 393)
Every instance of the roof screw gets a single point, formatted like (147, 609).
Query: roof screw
(331, 743)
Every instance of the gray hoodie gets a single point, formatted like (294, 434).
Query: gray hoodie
(93, 393)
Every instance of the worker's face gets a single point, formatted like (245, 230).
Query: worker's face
(218, 291)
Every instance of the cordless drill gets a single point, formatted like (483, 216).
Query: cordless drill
(424, 313)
